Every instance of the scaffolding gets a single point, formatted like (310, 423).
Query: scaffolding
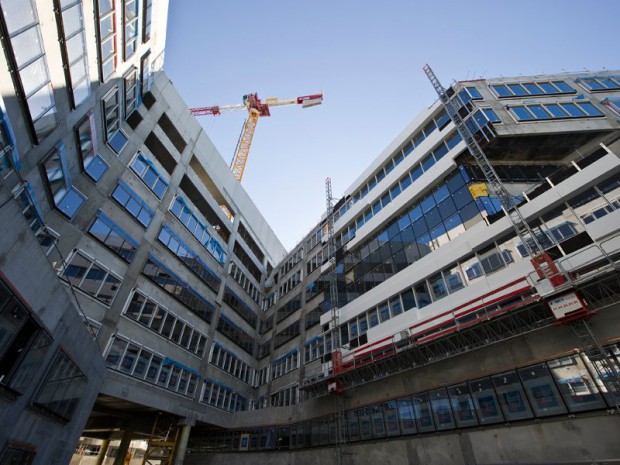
(336, 356)
(542, 262)
(531, 314)
(162, 442)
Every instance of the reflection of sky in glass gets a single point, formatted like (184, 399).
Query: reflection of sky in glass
(33, 76)
(26, 46)
(17, 14)
(40, 102)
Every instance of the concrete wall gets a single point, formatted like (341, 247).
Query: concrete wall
(586, 439)
(25, 266)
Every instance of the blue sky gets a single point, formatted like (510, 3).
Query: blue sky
(367, 57)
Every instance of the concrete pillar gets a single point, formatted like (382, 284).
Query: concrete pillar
(182, 445)
(123, 448)
(102, 452)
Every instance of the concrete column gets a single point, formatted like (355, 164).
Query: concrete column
(102, 451)
(182, 444)
(123, 448)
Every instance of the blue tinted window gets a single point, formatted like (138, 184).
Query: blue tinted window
(502, 90)
(491, 115)
(453, 140)
(539, 111)
(96, 168)
(416, 172)
(590, 109)
(592, 84)
(610, 83)
(71, 202)
(532, 88)
(428, 162)
(517, 89)
(556, 111)
(442, 120)
(521, 113)
(394, 191)
(385, 199)
(572, 109)
(407, 149)
(475, 94)
(376, 208)
(464, 97)
(148, 173)
(563, 86)
(440, 151)
(133, 204)
(117, 141)
(427, 203)
(405, 182)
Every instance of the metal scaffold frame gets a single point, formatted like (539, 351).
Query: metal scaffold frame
(162, 442)
(533, 315)
(544, 265)
(335, 327)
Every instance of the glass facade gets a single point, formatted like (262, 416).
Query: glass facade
(75, 55)
(31, 73)
(556, 387)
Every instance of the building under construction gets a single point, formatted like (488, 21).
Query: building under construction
(456, 305)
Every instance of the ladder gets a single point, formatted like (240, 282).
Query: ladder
(543, 264)
(335, 327)
(529, 240)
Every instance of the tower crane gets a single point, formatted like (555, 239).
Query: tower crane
(256, 108)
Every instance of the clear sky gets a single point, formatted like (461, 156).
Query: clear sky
(367, 57)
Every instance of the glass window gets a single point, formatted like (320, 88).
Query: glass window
(491, 115)
(65, 198)
(363, 415)
(146, 20)
(146, 171)
(130, 22)
(556, 110)
(76, 60)
(590, 109)
(563, 87)
(573, 110)
(32, 71)
(521, 113)
(133, 204)
(62, 387)
(112, 123)
(406, 416)
(130, 85)
(532, 88)
(539, 111)
(462, 405)
(576, 384)
(485, 400)
(378, 422)
(511, 396)
(106, 38)
(501, 90)
(423, 415)
(438, 287)
(540, 388)
(442, 412)
(517, 89)
(422, 295)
